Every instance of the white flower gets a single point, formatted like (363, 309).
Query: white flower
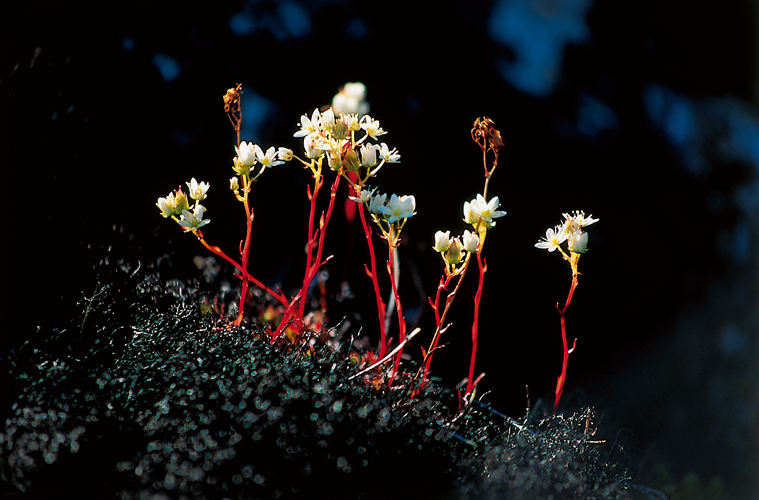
(399, 207)
(351, 120)
(471, 241)
(573, 222)
(351, 99)
(369, 155)
(470, 216)
(487, 210)
(371, 126)
(310, 147)
(197, 190)
(167, 205)
(365, 196)
(390, 156)
(578, 242)
(328, 120)
(246, 153)
(308, 127)
(442, 241)
(554, 238)
(269, 159)
(376, 203)
(285, 154)
(194, 220)
(234, 185)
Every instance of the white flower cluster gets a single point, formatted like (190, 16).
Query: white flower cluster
(391, 211)
(249, 155)
(351, 99)
(570, 231)
(451, 248)
(176, 206)
(334, 136)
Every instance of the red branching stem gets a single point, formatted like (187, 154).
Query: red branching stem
(398, 307)
(216, 250)
(445, 281)
(475, 323)
(373, 275)
(562, 313)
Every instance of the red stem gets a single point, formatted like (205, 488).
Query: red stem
(245, 257)
(399, 308)
(216, 250)
(562, 313)
(373, 275)
(475, 324)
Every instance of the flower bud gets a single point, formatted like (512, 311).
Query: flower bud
(578, 242)
(351, 161)
(442, 241)
(234, 185)
(369, 155)
(334, 160)
(340, 130)
(328, 120)
(453, 255)
(285, 154)
(471, 242)
(181, 202)
(376, 202)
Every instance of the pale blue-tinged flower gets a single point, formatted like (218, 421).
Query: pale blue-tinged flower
(399, 207)
(377, 202)
(389, 155)
(371, 126)
(553, 239)
(197, 189)
(246, 153)
(365, 196)
(308, 127)
(471, 241)
(194, 219)
(442, 241)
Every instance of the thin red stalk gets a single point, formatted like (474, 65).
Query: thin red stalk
(399, 309)
(245, 257)
(216, 250)
(562, 313)
(373, 275)
(475, 323)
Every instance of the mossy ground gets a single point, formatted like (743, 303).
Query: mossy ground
(145, 397)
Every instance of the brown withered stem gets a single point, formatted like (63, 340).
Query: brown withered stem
(233, 108)
(488, 138)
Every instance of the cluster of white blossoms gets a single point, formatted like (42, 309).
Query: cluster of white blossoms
(454, 250)
(251, 155)
(351, 99)
(176, 206)
(570, 231)
(333, 136)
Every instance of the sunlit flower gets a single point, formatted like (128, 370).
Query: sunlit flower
(308, 127)
(369, 155)
(390, 156)
(351, 99)
(328, 120)
(311, 148)
(487, 210)
(268, 159)
(470, 216)
(285, 154)
(371, 126)
(442, 241)
(234, 185)
(471, 241)
(197, 189)
(553, 239)
(167, 205)
(399, 207)
(246, 154)
(194, 219)
(376, 203)
(352, 121)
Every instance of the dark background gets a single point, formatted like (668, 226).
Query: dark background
(642, 116)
